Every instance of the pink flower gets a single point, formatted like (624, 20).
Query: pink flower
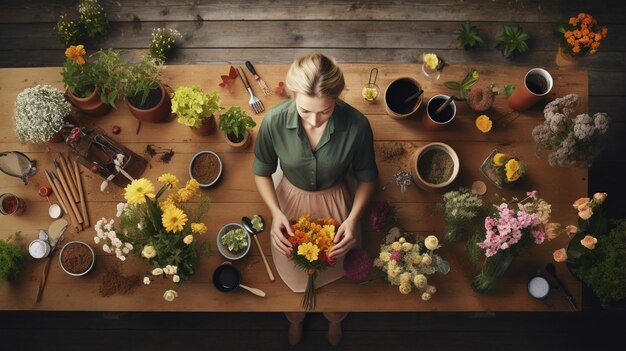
(532, 194)
(559, 255)
(396, 255)
(357, 264)
(585, 213)
(589, 242)
(581, 203)
(380, 216)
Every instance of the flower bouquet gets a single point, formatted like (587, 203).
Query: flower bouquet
(502, 169)
(581, 35)
(460, 208)
(407, 260)
(595, 253)
(509, 229)
(162, 232)
(312, 242)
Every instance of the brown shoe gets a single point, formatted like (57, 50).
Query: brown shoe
(334, 333)
(294, 335)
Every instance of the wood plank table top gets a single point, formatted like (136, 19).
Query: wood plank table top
(236, 195)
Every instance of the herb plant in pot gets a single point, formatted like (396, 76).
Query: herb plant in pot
(236, 124)
(40, 114)
(79, 82)
(196, 108)
(146, 96)
(108, 73)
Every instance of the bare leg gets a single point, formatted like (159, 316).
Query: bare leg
(334, 326)
(296, 320)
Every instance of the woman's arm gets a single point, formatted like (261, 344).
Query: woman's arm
(345, 238)
(279, 221)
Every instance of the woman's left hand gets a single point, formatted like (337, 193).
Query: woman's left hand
(344, 239)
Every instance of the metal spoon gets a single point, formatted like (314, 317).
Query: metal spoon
(552, 270)
(247, 224)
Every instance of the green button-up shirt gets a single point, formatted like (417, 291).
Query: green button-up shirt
(347, 142)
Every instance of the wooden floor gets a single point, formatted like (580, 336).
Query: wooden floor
(275, 31)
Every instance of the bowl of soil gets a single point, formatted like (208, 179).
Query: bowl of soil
(401, 101)
(77, 258)
(206, 168)
(434, 166)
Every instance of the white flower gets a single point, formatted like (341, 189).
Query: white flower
(148, 251)
(139, 226)
(96, 239)
(126, 251)
(128, 246)
(121, 208)
(39, 113)
(175, 278)
(431, 242)
(170, 295)
(146, 280)
(157, 271)
(122, 257)
(106, 248)
(116, 242)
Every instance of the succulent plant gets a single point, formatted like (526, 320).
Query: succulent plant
(512, 41)
(468, 36)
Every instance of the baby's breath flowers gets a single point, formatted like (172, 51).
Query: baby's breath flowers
(68, 31)
(40, 112)
(162, 41)
(93, 18)
(460, 208)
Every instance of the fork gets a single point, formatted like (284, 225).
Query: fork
(255, 103)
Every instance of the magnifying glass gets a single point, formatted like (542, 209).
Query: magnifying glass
(17, 164)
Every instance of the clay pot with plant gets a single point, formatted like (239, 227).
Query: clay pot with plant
(146, 96)
(196, 109)
(236, 124)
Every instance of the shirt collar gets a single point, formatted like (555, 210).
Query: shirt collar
(334, 123)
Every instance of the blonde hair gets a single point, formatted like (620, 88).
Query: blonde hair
(315, 75)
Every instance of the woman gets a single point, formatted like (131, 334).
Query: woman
(318, 140)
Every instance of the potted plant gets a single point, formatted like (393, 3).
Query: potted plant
(11, 258)
(196, 108)
(146, 97)
(78, 77)
(580, 36)
(40, 114)
(468, 36)
(236, 124)
(502, 169)
(512, 41)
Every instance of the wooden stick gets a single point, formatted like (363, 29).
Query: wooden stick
(56, 192)
(64, 198)
(69, 178)
(81, 193)
(67, 193)
(267, 266)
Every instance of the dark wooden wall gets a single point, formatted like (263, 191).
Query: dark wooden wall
(275, 31)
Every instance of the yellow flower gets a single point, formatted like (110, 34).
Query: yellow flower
(405, 288)
(309, 251)
(76, 53)
(136, 192)
(483, 123)
(193, 185)
(512, 176)
(148, 251)
(188, 239)
(431, 242)
(475, 74)
(168, 178)
(185, 195)
(198, 228)
(173, 219)
(498, 159)
(170, 295)
(431, 60)
(513, 170)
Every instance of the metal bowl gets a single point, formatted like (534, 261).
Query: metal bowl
(224, 251)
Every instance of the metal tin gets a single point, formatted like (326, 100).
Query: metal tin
(39, 248)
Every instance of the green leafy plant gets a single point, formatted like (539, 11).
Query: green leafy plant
(108, 72)
(11, 258)
(68, 31)
(236, 123)
(235, 240)
(466, 84)
(468, 36)
(257, 223)
(143, 77)
(512, 41)
(192, 105)
(162, 41)
(93, 18)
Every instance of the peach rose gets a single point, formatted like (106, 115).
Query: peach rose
(571, 230)
(581, 203)
(552, 230)
(585, 213)
(599, 198)
(589, 242)
(560, 255)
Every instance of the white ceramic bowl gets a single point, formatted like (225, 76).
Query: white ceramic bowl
(93, 258)
(224, 251)
(219, 174)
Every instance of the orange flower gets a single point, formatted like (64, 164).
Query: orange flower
(589, 242)
(577, 33)
(598, 37)
(604, 31)
(76, 53)
(581, 15)
(576, 49)
(560, 255)
(573, 21)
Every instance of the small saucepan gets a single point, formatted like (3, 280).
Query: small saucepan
(227, 278)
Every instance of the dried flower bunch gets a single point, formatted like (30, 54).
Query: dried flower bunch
(163, 39)
(407, 260)
(572, 141)
(596, 250)
(581, 35)
(460, 208)
(162, 232)
(40, 112)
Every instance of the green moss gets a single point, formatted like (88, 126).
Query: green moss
(11, 258)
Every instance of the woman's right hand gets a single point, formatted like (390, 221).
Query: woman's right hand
(280, 225)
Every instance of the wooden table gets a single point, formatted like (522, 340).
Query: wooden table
(236, 195)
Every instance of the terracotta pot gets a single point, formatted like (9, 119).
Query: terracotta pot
(155, 114)
(242, 144)
(565, 60)
(432, 122)
(397, 92)
(529, 92)
(415, 173)
(91, 105)
(206, 128)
